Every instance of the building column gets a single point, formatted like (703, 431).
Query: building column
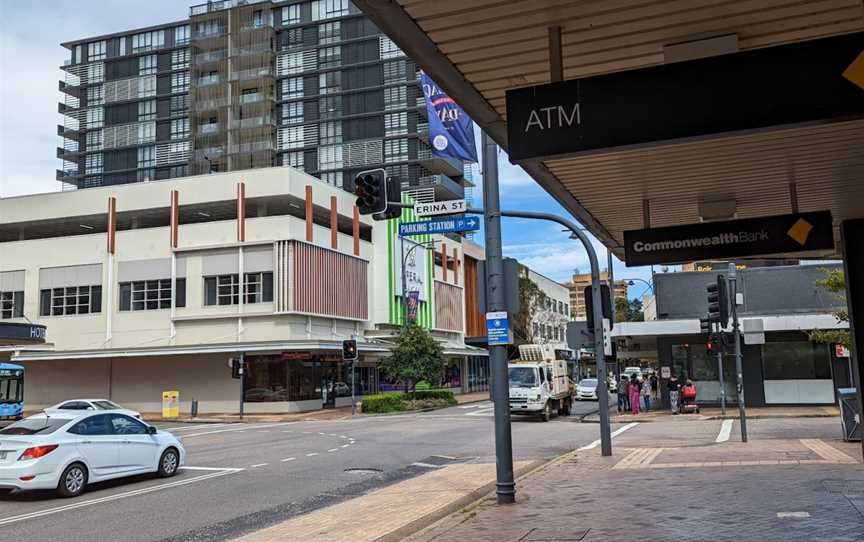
(852, 243)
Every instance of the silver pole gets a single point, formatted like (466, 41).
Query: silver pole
(736, 336)
(720, 370)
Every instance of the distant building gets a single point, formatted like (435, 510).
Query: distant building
(577, 292)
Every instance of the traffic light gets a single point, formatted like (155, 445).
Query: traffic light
(235, 368)
(704, 325)
(349, 350)
(370, 187)
(709, 346)
(718, 301)
(394, 195)
(606, 303)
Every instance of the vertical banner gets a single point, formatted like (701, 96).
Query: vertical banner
(112, 224)
(355, 230)
(241, 211)
(309, 210)
(412, 300)
(451, 130)
(175, 218)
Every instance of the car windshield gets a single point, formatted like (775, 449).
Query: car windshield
(11, 389)
(588, 383)
(34, 426)
(106, 405)
(523, 377)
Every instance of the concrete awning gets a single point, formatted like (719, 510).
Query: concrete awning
(476, 50)
(792, 322)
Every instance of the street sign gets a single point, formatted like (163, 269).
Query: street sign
(607, 339)
(440, 225)
(840, 351)
(759, 88)
(754, 331)
(497, 328)
(781, 234)
(450, 207)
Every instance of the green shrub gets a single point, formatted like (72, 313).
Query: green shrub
(384, 402)
(445, 395)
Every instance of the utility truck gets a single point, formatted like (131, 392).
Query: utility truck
(540, 385)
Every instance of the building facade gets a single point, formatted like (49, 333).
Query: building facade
(577, 286)
(150, 287)
(783, 367)
(313, 85)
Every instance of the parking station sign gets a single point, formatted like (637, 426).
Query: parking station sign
(440, 225)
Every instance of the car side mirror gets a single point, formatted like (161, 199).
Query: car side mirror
(90, 408)
(151, 430)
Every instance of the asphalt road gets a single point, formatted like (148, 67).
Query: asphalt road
(243, 477)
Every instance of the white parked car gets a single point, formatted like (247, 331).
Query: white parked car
(66, 450)
(93, 404)
(587, 389)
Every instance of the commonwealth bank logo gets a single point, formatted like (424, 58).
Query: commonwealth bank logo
(800, 231)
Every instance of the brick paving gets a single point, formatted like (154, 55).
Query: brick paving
(816, 493)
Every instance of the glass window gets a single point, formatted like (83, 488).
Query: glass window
(124, 425)
(94, 140)
(95, 117)
(34, 426)
(70, 300)
(147, 110)
(329, 106)
(395, 150)
(122, 40)
(146, 175)
(795, 360)
(328, 9)
(395, 98)
(180, 59)
(146, 132)
(293, 159)
(329, 57)
(331, 177)
(292, 88)
(95, 72)
(291, 14)
(94, 425)
(330, 157)
(388, 49)
(259, 287)
(329, 32)
(179, 105)
(104, 404)
(289, 63)
(225, 289)
(396, 123)
(181, 34)
(146, 41)
(180, 128)
(95, 95)
(292, 137)
(93, 163)
(293, 39)
(96, 50)
(11, 305)
(145, 295)
(179, 82)
(330, 82)
(146, 156)
(330, 132)
(146, 65)
(146, 86)
(395, 71)
(266, 380)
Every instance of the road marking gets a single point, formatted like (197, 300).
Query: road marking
(827, 452)
(247, 428)
(725, 431)
(345, 445)
(118, 496)
(323, 434)
(614, 434)
(258, 465)
(640, 458)
(287, 431)
(217, 469)
(342, 436)
(471, 406)
(484, 411)
(333, 450)
(288, 459)
(425, 465)
(197, 427)
(793, 514)
(312, 454)
(264, 431)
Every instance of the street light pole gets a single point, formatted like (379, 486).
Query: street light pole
(736, 336)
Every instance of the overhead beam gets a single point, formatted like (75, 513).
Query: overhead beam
(556, 63)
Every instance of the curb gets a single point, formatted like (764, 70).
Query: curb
(468, 501)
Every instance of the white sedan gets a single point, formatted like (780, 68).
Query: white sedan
(66, 450)
(587, 389)
(93, 404)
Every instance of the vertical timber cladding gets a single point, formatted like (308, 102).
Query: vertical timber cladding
(425, 312)
(327, 283)
(755, 89)
(448, 307)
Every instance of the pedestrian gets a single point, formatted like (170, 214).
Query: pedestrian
(646, 393)
(674, 388)
(623, 398)
(633, 391)
(655, 386)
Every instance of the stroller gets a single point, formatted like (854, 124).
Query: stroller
(688, 399)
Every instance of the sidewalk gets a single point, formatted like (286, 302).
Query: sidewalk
(714, 413)
(786, 484)
(341, 413)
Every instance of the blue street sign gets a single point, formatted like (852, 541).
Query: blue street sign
(497, 328)
(440, 225)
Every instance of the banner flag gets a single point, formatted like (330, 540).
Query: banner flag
(451, 131)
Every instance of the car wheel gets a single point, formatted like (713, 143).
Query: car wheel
(546, 415)
(73, 480)
(169, 463)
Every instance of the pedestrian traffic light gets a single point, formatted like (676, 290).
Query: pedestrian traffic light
(370, 187)
(349, 350)
(235, 368)
(704, 325)
(709, 346)
(718, 301)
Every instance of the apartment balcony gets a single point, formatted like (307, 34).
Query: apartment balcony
(68, 154)
(208, 33)
(251, 123)
(209, 129)
(210, 57)
(251, 147)
(444, 187)
(208, 80)
(254, 73)
(71, 90)
(254, 98)
(251, 50)
(68, 132)
(211, 7)
(438, 164)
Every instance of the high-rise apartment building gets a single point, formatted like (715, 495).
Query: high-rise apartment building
(577, 292)
(310, 84)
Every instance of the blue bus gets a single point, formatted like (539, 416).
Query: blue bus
(11, 392)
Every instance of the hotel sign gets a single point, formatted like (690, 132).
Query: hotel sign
(783, 234)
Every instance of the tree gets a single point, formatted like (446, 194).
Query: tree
(834, 283)
(416, 356)
(529, 303)
(628, 310)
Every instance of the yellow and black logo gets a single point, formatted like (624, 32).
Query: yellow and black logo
(855, 71)
(800, 231)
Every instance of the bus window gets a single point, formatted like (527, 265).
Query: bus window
(11, 390)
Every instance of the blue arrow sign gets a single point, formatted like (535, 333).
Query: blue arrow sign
(440, 225)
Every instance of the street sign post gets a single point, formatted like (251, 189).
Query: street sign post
(450, 207)
(497, 328)
(440, 225)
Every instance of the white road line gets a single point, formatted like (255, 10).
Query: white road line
(445, 456)
(246, 428)
(485, 411)
(195, 427)
(425, 465)
(725, 431)
(288, 459)
(264, 431)
(333, 450)
(470, 406)
(117, 497)
(258, 465)
(345, 445)
(288, 431)
(614, 434)
(216, 469)
(323, 434)
(312, 454)
(793, 514)
(342, 436)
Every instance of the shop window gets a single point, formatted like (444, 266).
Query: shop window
(70, 300)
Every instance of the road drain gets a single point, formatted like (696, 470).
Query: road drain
(364, 470)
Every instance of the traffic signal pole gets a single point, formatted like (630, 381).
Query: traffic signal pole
(736, 336)
(720, 352)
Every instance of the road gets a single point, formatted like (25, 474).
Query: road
(243, 477)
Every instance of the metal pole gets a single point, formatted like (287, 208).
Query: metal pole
(720, 352)
(736, 336)
(404, 302)
(610, 276)
(242, 382)
(353, 381)
(505, 484)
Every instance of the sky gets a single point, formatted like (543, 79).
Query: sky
(30, 60)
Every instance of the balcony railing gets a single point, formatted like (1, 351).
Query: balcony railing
(208, 80)
(211, 56)
(251, 98)
(254, 73)
(254, 122)
(210, 7)
(208, 129)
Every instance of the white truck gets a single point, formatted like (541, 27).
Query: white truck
(540, 385)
